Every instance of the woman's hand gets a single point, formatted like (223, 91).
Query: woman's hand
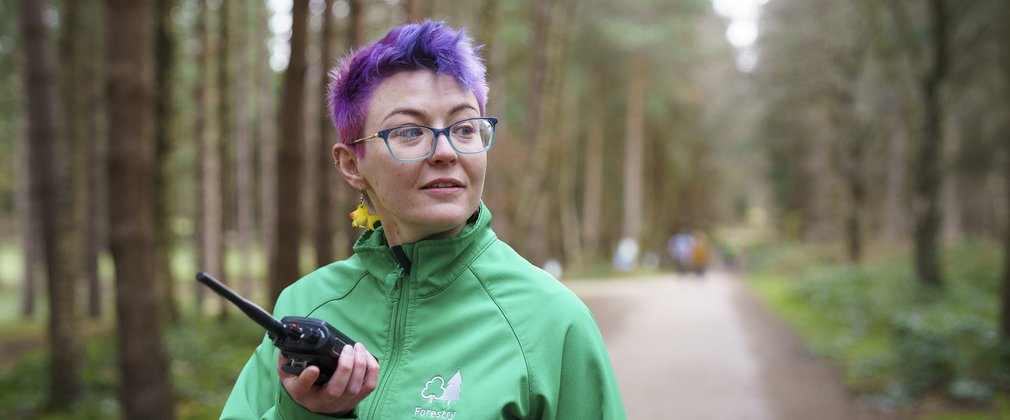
(356, 376)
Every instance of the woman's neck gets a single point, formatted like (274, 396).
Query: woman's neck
(397, 236)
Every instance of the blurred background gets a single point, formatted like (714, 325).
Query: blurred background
(847, 162)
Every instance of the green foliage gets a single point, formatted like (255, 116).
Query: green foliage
(207, 355)
(896, 339)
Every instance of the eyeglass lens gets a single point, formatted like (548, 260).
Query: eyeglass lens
(415, 142)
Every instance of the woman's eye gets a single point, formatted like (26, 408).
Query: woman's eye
(408, 133)
(464, 130)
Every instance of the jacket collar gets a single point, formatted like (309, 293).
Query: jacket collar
(433, 264)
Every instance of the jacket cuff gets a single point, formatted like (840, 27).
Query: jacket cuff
(288, 408)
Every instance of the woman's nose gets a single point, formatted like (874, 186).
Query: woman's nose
(443, 150)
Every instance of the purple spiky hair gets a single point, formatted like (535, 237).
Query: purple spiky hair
(426, 45)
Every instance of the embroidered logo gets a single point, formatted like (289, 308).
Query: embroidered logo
(438, 389)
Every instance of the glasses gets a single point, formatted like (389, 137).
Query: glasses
(410, 143)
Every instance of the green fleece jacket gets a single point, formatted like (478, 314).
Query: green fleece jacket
(462, 328)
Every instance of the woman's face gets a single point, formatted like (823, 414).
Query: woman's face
(431, 198)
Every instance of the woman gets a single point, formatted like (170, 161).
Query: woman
(461, 325)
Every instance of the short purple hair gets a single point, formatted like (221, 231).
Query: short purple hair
(415, 46)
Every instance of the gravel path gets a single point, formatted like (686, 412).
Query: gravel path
(704, 348)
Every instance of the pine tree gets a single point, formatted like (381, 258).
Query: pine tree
(452, 389)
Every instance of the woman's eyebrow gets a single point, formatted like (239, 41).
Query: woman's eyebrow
(404, 111)
(416, 113)
(461, 107)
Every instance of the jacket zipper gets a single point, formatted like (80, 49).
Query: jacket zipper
(398, 335)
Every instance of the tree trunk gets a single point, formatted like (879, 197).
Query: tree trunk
(1005, 304)
(244, 148)
(356, 25)
(285, 263)
(538, 151)
(163, 137)
(326, 183)
(592, 199)
(28, 212)
(210, 200)
(927, 172)
(96, 233)
(145, 388)
(571, 236)
(633, 142)
(857, 197)
(896, 196)
(267, 132)
(415, 10)
(60, 236)
(224, 141)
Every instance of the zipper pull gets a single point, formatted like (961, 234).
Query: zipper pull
(390, 282)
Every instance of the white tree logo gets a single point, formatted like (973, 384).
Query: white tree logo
(438, 389)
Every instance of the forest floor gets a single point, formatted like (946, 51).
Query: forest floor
(704, 347)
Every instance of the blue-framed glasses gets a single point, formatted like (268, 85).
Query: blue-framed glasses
(410, 143)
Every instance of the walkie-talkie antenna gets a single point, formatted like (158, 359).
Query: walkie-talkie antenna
(254, 311)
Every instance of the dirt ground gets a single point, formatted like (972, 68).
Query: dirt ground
(690, 347)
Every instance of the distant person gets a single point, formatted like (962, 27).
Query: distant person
(450, 321)
(681, 247)
(700, 253)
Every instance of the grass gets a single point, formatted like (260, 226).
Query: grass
(206, 357)
(898, 341)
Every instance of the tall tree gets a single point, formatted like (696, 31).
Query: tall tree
(633, 144)
(1005, 304)
(96, 225)
(244, 148)
(927, 167)
(356, 23)
(211, 238)
(266, 132)
(284, 267)
(164, 126)
(145, 387)
(415, 10)
(592, 198)
(226, 125)
(60, 236)
(327, 184)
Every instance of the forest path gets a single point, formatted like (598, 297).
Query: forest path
(692, 347)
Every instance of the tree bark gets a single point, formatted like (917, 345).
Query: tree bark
(211, 239)
(356, 26)
(285, 263)
(145, 388)
(1005, 299)
(267, 141)
(633, 138)
(326, 185)
(415, 10)
(28, 212)
(592, 199)
(96, 226)
(60, 236)
(244, 147)
(927, 172)
(163, 137)
(225, 127)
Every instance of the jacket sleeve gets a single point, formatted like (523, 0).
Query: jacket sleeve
(586, 387)
(258, 393)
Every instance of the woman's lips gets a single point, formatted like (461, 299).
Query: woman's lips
(441, 184)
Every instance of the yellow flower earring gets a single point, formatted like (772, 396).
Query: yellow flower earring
(361, 218)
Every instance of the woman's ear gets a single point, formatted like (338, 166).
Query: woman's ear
(346, 162)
